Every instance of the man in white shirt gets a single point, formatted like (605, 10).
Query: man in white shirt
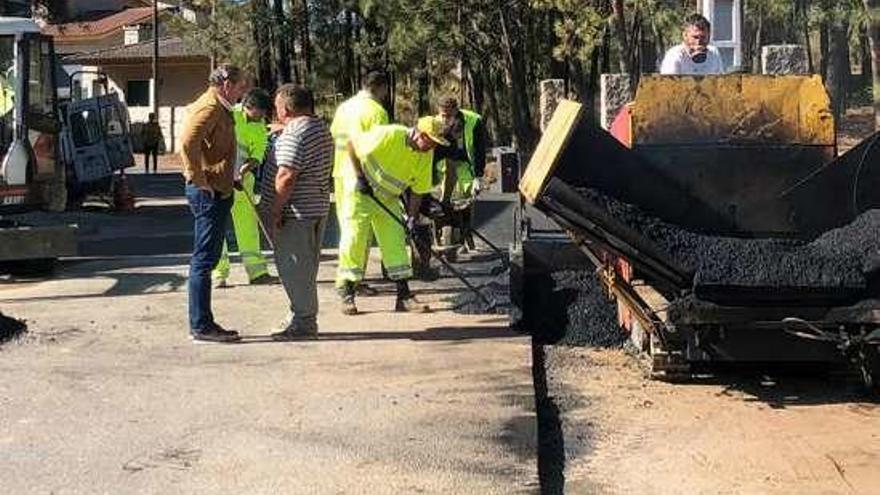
(694, 56)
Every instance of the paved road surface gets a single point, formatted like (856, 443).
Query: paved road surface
(106, 394)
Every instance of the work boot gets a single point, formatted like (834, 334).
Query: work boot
(265, 279)
(346, 294)
(363, 289)
(406, 302)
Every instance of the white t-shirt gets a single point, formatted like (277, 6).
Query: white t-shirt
(678, 61)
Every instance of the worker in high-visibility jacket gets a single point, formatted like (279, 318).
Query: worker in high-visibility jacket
(252, 136)
(7, 96)
(382, 164)
(461, 180)
(355, 116)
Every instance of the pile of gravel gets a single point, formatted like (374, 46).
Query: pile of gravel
(10, 327)
(839, 258)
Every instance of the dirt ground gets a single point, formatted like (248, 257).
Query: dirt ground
(856, 125)
(624, 433)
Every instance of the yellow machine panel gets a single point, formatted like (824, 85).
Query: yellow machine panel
(735, 109)
(551, 146)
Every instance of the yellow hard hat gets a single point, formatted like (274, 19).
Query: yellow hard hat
(431, 126)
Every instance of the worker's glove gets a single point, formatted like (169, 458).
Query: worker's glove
(363, 186)
(248, 166)
(411, 224)
(477, 186)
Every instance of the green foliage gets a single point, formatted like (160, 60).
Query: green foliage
(226, 34)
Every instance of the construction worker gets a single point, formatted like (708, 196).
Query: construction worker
(252, 138)
(7, 105)
(354, 116)
(461, 177)
(382, 164)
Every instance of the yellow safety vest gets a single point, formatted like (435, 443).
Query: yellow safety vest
(7, 96)
(390, 165)
(471, 119)
(252, 137)
(354, 116)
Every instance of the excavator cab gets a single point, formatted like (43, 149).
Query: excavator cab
(30, 173)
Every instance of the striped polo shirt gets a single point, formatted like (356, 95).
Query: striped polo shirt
(307, 146)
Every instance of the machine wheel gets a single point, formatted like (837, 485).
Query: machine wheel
(667, 364)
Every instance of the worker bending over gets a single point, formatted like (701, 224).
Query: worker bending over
(461, 178)
(253, 139)
(382, 164)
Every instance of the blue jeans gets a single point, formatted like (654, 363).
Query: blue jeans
(211, 217)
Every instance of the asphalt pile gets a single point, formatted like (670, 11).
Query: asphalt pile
(839, 258)
(591, 317)
(495, 300)
(10, 327)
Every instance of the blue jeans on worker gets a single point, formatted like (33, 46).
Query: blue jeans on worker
(211, 215)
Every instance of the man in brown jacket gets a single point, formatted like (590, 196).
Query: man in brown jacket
(208, 152)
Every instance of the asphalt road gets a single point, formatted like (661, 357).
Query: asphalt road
(106, 393)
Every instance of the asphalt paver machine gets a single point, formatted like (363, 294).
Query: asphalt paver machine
(743, 161)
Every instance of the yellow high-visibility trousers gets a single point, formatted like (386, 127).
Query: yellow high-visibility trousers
(247, 235)
(360, 218)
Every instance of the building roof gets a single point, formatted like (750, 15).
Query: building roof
(13, 25)
(169, 48)
(99, 28)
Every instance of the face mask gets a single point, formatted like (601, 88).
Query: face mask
(699, 57)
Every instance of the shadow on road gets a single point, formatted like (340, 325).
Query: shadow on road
(429, 334)
(551, 440)
(788, 389)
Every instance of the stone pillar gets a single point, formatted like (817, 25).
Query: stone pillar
(551, 91)
(616, 91)
(784, 59)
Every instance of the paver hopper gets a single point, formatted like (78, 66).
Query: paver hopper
(737, 172)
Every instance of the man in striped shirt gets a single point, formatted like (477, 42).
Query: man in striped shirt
(296, 190)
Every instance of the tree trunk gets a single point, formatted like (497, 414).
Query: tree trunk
(515, 73)
(494, 111)
(824, 49)
(259, 22)
(282, 52)
(865, 58)
(305, 39)
(756, 50)
(623, 41)
(808, 44)
(423, 103)
(873, 8)
(477, 96)
(348, 78)
(838, 66)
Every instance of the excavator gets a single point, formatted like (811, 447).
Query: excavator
(49, 156)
